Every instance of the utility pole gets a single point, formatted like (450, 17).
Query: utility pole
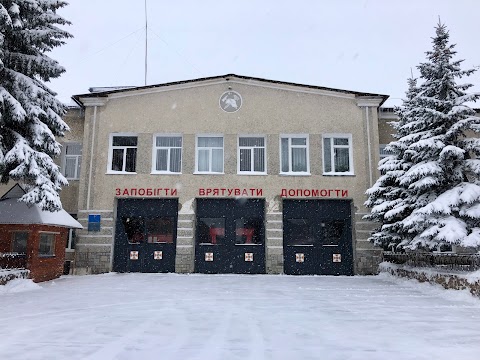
(146, 42)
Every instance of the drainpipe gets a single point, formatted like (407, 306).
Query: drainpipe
(369, 141)
(92, 142)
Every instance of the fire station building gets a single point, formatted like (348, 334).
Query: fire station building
(227, 174)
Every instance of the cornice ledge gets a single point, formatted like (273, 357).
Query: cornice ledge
(371, 101)
(93, 101)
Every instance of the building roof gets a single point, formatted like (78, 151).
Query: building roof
(13, 211)
(227, 77)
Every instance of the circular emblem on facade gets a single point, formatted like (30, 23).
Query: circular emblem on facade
(230, 101)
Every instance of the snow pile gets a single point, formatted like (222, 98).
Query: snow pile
(18, 285)
(447, 294)
(449, 279)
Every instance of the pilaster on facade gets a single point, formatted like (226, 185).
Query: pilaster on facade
(368, 256)
(274, 242)
(93, 249)
(185, 252)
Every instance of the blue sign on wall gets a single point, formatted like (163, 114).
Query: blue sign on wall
(94, 222)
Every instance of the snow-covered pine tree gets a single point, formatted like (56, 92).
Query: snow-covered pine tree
(439, 186)
(387, 199)
(30, 115)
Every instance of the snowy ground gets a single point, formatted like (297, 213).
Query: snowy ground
(156, 316)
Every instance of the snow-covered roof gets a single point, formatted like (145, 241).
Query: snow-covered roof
(13, 211)
(97, 89)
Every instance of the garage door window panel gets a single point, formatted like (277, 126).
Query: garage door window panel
(299, 232)
(211, 231)
(160, 230)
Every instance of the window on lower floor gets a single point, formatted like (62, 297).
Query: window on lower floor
(19, 242)
(72, 160)
(168, 154)
(337, 154)
(47, 244)
(209, 154)
(294, 154)
(123, 154)
(251, 155)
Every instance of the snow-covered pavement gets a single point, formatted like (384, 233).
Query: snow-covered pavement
(170, 316)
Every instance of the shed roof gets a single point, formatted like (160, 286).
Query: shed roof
(13, 211)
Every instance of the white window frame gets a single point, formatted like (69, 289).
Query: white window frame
(210, 154)
(110, 154)
(78, 160)
(290, 146)
(332, 153)
(154, 154)
(69, 247)
(252, 155)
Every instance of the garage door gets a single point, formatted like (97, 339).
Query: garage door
(317, 237)
(145, 235)
(230, 236)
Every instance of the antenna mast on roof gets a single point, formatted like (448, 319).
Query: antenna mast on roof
(146, 42)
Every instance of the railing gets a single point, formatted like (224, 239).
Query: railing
(11, 260)
(462, 262)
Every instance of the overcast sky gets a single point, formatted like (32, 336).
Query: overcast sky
(362, 45)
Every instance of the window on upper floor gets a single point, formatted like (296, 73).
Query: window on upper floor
(294, 156)
(72, 160)
(167, 155)
(209, 156)
(251, 157)
(337, 154)
(123, 154)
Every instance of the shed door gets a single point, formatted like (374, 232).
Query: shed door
(317, 237)
(145, 235)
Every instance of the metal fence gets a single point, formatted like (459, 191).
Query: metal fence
(12, 260)
(462, 262)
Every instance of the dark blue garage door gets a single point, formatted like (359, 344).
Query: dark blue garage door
(145, 235)
(317, 237)
(230, 236)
